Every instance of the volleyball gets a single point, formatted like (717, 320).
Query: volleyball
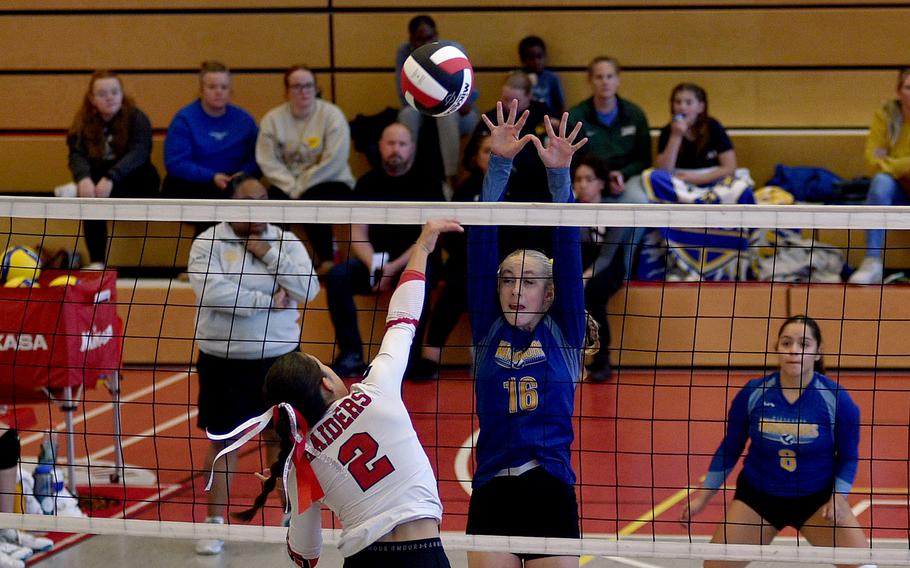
(437, 79)
(20, 282)
(64, 280)
(20, 261)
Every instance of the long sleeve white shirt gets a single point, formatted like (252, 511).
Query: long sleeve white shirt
(234, 290)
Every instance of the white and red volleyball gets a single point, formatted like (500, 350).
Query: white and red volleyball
(437, 79)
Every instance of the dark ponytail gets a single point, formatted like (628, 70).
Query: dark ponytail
(296, 379)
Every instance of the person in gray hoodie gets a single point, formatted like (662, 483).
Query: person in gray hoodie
(248, 279)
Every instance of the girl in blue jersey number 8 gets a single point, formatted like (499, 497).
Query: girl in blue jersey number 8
(804, 432)
(528, 321)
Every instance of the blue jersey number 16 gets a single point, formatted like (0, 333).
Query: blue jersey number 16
(522, 394)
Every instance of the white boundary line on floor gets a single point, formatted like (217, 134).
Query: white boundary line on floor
(108, 407)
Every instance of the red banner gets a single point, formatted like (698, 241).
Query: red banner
(58, 336)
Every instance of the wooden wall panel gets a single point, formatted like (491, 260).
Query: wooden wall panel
(115, 5)
(862, 326)
(173, 41)
(686, 38)
(50, 101)
(608, 4)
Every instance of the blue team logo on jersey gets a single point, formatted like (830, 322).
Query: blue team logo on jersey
(511, 358)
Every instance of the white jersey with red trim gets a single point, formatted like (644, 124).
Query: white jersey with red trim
(365, 452)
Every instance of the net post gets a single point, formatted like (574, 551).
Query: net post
(114, 386)
(68, 410)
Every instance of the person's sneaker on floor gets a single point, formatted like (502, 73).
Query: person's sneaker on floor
(210, 546)
(94, 266)
(27, 540)
(869, 272)
(349, 365)
(15, 551)
(7, 561)
(600, 370)
(422, 369)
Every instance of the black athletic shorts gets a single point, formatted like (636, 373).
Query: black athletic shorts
(532, 504)
(230, 391)
(780, 512)
(426, 553)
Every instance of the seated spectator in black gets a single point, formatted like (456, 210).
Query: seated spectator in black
(601, 257)
(453, 300)
(209, 141)
(303, 150)
(379, 252)
(694, 147)
(110, 146)
(547, 87)
(438, 139)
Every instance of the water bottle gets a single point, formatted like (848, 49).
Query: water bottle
(44, 481)
(46, 473)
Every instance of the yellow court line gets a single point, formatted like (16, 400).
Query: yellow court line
(672, 500)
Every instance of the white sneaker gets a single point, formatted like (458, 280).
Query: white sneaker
(94, 266)
(210, 546)
(27, 540)
(869, 272)
(15, 551)
(7, 561)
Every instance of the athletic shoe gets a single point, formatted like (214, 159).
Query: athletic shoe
(27, 540)
(15, 551)
(869, 272)
(349, 365)
(7, 561)
(210, 546)
(600, 371)
(422, 370)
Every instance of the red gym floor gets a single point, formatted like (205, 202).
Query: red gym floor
(640, 441)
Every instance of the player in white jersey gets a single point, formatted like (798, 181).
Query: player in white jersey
(356, 450)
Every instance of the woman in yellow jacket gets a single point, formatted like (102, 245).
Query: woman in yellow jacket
(888, 161)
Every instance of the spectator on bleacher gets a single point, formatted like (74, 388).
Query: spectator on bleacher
(110, 146)
(528, 182)
(618, 133)
(303, 150)
(248, 278)
(603, 264)
(532, 51)
(694, 147)
(453, 300)
(888, 162)
(209, 141)
(379, 252)
(438, 139)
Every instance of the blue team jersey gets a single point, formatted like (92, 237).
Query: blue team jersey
(796, 449)
(525, 382)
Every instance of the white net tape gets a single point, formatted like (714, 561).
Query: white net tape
(519, 214)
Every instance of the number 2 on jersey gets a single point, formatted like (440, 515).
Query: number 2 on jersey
(359, 455)
(522, 394)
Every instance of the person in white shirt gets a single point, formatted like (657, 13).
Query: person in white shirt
(355, 450)
(303, 150)
(248, 279)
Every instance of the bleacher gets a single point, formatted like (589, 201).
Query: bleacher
(794, 83)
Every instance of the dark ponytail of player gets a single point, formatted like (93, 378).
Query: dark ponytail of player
(296, 379)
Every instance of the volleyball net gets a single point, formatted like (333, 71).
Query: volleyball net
(695, 320)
